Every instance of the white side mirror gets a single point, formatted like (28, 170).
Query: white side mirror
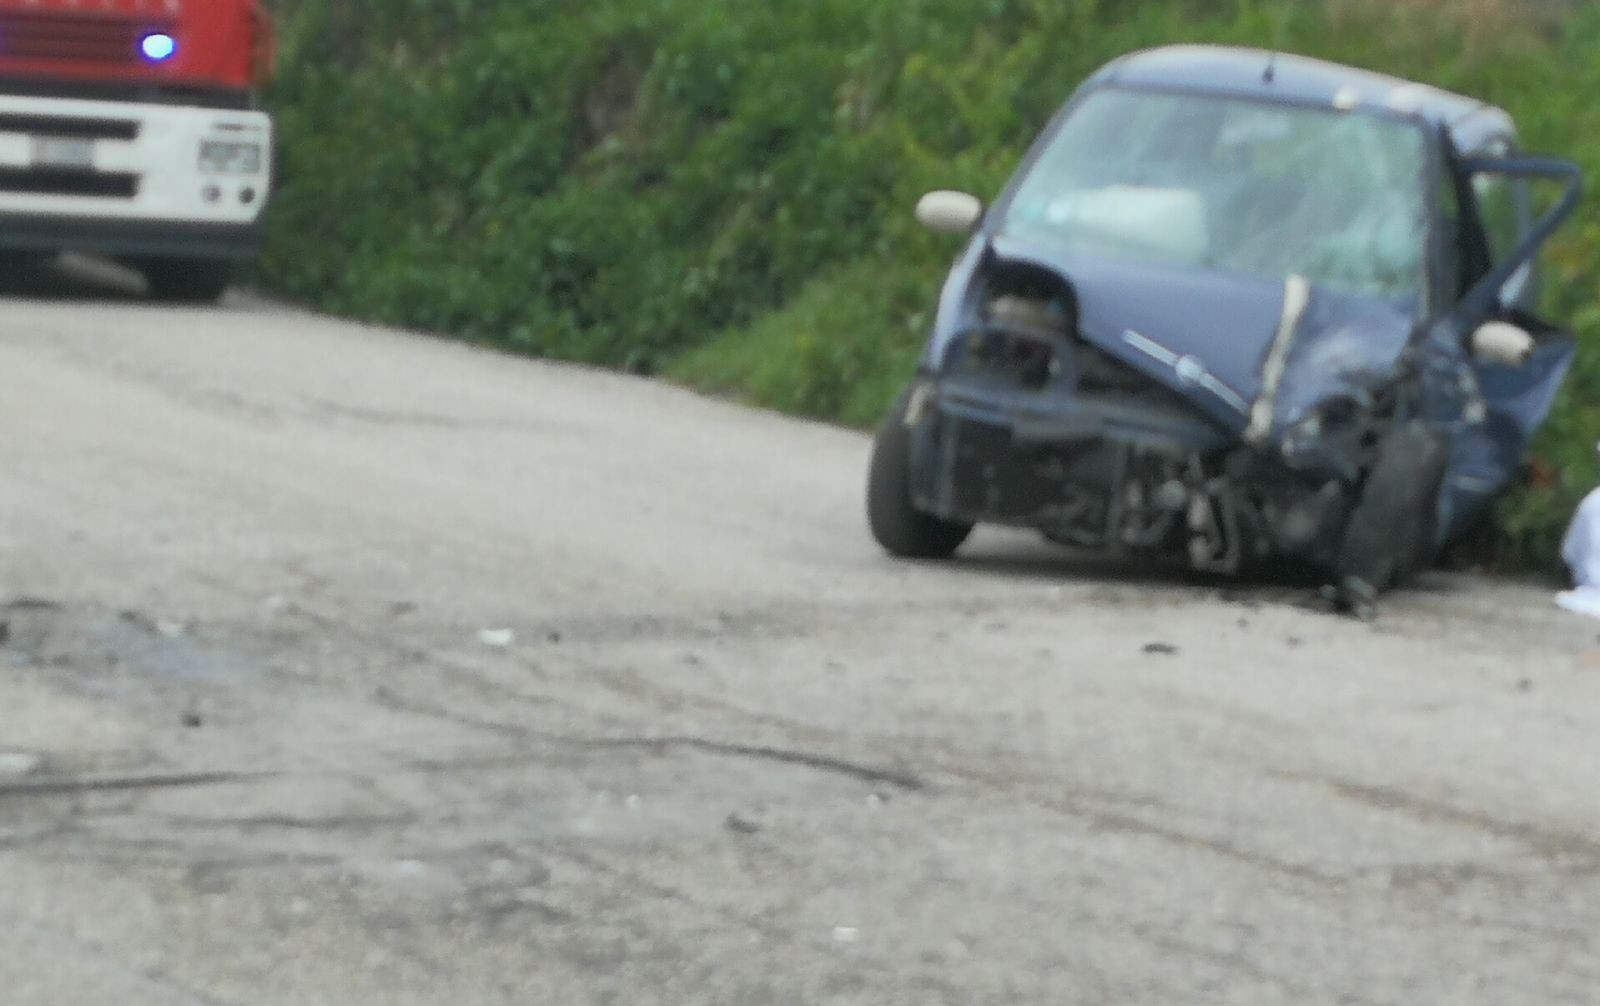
(1502, 343)
(949, 212)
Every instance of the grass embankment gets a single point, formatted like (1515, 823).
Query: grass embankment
(721, 192)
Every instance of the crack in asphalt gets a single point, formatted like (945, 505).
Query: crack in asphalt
(86, 844)
(72, 785)
(822, 763)
(283, 822)
(897, 778)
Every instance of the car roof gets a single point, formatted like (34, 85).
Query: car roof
(1206, 69)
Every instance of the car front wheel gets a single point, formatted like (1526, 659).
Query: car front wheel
(1390, 537)
(896, 523)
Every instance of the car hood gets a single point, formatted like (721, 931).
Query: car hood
(1210, 335)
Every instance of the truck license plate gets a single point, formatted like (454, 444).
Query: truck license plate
(59, 152)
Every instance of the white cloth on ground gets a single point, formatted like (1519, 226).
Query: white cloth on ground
(1581, 552)
(1583, 601)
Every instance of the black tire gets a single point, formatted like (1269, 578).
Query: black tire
(1390, 537)
(896, 523)
(187, 281)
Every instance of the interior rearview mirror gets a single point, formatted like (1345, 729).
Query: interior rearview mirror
(947, 212)
(1502, 343)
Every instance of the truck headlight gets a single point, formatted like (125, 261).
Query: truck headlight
(224, 158)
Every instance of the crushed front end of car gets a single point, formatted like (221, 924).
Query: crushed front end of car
(1081, 409)
(1224, 316)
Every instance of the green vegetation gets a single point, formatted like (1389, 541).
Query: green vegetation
(722, 192)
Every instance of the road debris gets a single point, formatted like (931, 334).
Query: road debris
(1161, 649)
(499, 639)
(742, 825)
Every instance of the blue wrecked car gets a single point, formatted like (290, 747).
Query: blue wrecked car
(1237, 306)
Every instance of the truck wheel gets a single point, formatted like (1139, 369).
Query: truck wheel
(896, 523)
(189, 281)
(1390, 535)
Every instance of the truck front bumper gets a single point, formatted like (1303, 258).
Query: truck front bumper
(128, 178)
(131, 238)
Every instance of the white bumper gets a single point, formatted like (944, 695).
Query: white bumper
(127, 164)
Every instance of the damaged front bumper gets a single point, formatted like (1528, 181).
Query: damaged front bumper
(1119, 474)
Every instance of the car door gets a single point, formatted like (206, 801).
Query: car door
(1501, 234)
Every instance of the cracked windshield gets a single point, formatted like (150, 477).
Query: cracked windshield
(1235, 186)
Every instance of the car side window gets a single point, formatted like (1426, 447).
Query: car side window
(1505, 211)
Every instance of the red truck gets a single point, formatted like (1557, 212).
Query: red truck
(130, 129)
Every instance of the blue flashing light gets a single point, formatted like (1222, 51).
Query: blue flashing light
(158, 47)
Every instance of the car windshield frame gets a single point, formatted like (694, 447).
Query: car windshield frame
(1418, 299)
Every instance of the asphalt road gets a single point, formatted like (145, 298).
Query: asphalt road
(256, 747)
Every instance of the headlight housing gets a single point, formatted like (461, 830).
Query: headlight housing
(1328, 437)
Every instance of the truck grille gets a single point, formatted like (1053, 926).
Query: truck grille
(70, 126)
(62, 182)
(108, 40)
